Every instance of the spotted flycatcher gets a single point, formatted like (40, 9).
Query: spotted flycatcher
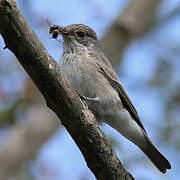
(86, 68)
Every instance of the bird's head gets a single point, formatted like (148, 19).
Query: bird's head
(76, 35)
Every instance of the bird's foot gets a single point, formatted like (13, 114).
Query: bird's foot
(88, 98)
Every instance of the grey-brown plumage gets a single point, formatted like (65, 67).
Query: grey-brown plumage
(87, 69)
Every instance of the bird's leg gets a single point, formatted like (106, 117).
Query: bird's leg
(95, 99)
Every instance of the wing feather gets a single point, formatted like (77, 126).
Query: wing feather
(126, 101)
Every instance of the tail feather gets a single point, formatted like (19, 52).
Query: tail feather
(132, 131)
(156, 157)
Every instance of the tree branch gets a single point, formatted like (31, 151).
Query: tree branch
(60, 97)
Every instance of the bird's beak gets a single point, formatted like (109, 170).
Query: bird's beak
(56, 30)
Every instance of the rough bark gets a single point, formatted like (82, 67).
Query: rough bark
(59, 96)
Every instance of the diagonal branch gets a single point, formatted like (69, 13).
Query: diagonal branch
(59, 96)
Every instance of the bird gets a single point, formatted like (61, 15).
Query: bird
(86, 68)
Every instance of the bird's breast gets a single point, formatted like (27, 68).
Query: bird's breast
(83, 75)
(72, 70)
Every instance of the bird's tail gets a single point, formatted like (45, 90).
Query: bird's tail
(155, 156)
(138, 136)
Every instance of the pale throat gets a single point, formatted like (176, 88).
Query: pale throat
(72, 46)
(74, 51)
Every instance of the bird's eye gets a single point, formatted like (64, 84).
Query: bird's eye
(81, 34)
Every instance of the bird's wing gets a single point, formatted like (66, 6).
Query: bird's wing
(126, 101)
